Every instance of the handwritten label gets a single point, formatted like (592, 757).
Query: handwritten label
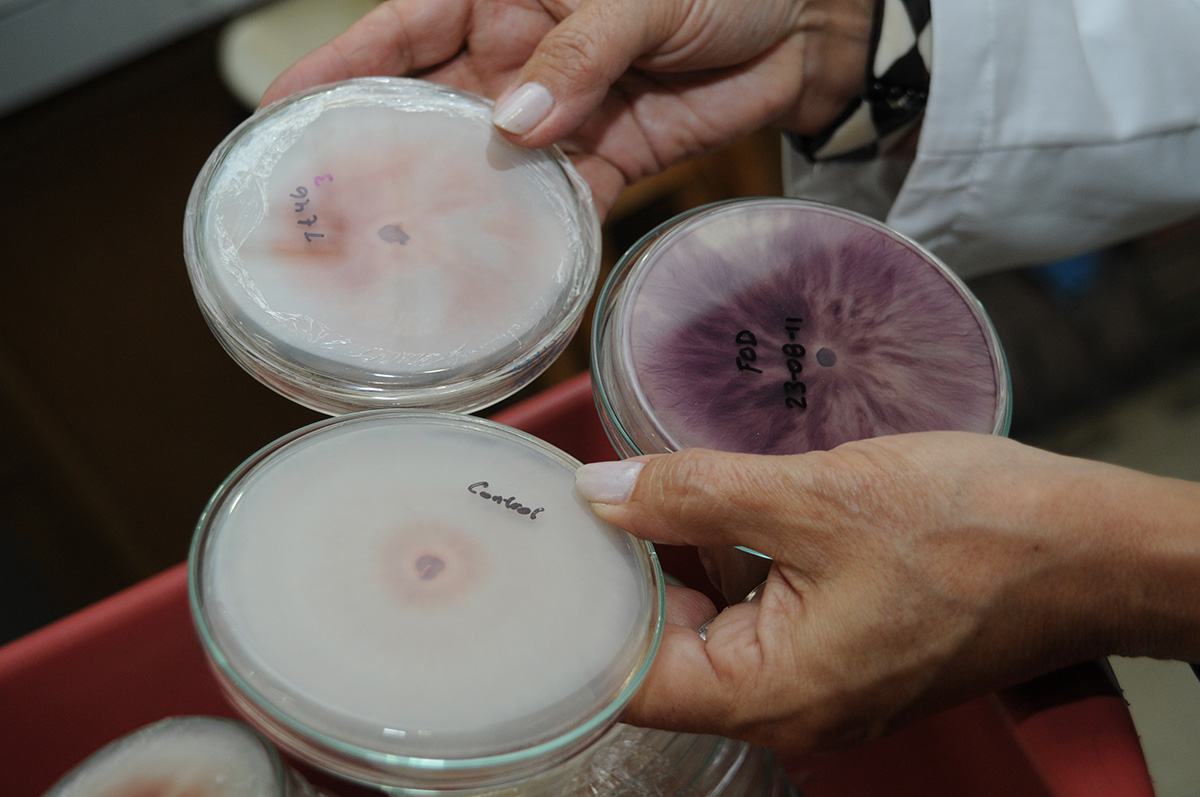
(747, 354)
(481, 489)
(300, 206)
(794, 389)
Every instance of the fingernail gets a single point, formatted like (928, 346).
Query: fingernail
(608, 482)
(523, 109)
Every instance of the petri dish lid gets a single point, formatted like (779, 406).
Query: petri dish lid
(375, 243)
(779, 326)
(212, 756)
(421, 599)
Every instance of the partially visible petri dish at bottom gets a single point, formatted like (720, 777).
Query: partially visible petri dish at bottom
(198, 756)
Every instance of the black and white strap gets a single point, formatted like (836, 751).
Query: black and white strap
(897, 87)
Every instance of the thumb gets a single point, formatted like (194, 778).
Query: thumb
(570, 73)
(694, 497)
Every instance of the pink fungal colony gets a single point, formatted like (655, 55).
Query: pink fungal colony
(433, 246)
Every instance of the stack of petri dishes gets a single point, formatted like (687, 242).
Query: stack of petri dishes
(405, 595)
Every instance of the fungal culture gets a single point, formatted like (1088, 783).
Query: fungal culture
(375, 243)
(189, 755)
(421, 600)
(779, 326)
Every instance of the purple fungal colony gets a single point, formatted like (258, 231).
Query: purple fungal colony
(872, 336)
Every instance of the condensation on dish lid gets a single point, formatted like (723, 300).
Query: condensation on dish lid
(374, 243)
(421, 599)
(208, 756)
(779, 326)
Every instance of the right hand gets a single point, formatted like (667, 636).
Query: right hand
(634, 86)
(909, 573)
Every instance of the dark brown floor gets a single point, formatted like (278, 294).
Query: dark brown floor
(120, 414)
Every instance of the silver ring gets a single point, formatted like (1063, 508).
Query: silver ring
(752, 595)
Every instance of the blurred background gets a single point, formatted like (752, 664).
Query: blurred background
(120, 414)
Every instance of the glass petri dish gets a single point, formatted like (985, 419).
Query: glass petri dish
(374, 243)
(779, 326)
(420, 600)
(209, 756)
(643, 761)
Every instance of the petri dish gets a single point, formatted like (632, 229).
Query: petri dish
(374, 243)
(420, 600)
(203, 756)
(779, 326)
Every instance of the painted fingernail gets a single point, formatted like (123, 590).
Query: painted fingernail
(521, 111)
(607, 482)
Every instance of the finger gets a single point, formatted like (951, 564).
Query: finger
(735, 572)
(688, 608)
(606, 180)
(701, 686)
(395, 38)
(575, 65)
(698, 497)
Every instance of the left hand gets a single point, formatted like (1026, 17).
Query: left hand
(637, 85)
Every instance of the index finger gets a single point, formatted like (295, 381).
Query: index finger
(395, 38)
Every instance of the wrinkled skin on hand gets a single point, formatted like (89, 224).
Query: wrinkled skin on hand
(639, 84)
(910, 573)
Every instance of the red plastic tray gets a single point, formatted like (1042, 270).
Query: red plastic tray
(75, 685)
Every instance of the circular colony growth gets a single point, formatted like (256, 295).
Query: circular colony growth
(779, 326)
(416, 598)
(201, 756)
(375, 243)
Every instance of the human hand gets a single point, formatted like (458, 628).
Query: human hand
(626, 87)
(910, 573)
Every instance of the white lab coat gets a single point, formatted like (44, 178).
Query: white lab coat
(1053, 127)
